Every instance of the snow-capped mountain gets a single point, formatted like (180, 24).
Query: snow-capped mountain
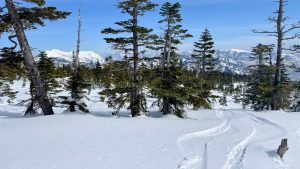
(87, 58)
(237, 61)
(231, 61)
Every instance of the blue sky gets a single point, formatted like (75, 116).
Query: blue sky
(230, 22)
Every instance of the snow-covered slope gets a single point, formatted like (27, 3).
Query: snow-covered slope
(87, 58)
(209, 139)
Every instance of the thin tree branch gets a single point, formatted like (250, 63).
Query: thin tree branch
(295, 36)
(11, 39)
(293, 27)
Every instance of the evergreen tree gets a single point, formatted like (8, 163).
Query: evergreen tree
(240, 94)
(77, 86)
(11, 68)
(47, 69)
(260, 87)
(173, 85)
(285, 88)
(173, 33)
(116, 81)
(12, 64)
(204, 54)
(97, 73)
(6, 90)
(137, 36)
(223, 100)
(16, 19)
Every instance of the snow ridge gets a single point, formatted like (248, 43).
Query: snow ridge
(87, 58)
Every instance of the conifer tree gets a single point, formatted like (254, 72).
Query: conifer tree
(204, 54)
(12, 64)
(11, 68)
(223, 100)
(17, 19)
(173, 32)
(260, 87)
(97, 73)
(47, 68)
(136, 37)
(172, 84)
(6, 90)
(77, 86)
(116, 81)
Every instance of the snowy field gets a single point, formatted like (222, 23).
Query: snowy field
(224, 138)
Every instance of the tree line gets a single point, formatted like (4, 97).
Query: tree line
(129, 82)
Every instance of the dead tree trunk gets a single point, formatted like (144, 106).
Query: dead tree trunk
(41, 94)
(283, 33)
(283, 148)
(78, 39)
(277, 81)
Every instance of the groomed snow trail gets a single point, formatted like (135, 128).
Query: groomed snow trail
(229, 141)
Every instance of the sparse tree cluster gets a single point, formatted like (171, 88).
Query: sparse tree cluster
(284, 32)
(173, 83)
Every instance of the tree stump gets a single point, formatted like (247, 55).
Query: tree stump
(283, 148)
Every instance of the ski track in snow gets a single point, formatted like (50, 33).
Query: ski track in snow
(194, 161)
(237, 155)
(235, 159)
(281, 134)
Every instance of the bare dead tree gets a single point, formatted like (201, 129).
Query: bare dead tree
(76, 64)
(284, 32)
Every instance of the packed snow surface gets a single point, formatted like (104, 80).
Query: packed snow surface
(224, 138)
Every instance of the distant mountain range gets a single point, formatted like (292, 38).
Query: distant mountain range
(231, 61)
(87, 58)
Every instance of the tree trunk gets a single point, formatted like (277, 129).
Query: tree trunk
(276, 96)
(166, 106)
(78, 40)
(41, 94)
(203, 65)
(166, 65)
(164, 58)
(169, 43)
(198, 71)
(135, 98)
(270, 58)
